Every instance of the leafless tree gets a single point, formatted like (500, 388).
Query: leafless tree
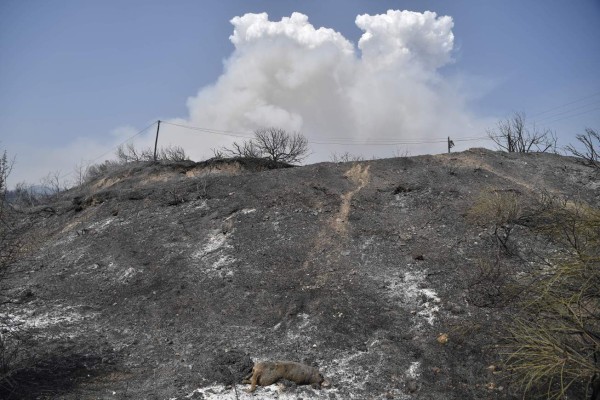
(513, 135)
(127, 154)
(274, 144)
(245, 149)
(5, 168)
(591, 148)
(345, 157)
(401, 153)
(172, 153)
(95, 171)
(11, 344)
(80, 171)
(282, 146)
(53, 184)
(218, 154)
(25, 194)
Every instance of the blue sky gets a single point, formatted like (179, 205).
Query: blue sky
(76, 77)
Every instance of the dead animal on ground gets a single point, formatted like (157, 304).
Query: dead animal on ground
(266, 373)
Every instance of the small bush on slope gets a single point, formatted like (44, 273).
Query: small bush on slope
(554, 342)
(501, 209)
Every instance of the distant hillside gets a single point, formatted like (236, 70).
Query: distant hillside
(164, 281)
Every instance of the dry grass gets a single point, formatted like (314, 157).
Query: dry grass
(497, 207)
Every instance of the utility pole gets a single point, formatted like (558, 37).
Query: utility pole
(450, 144)
(156, 140)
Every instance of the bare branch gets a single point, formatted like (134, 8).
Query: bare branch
(53, 184)
(345, 157)
(271, 143)
(172, 153)
(513, 135)
(591, 148)
(131, 154)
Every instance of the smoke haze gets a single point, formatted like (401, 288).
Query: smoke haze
(382, 96)
(289, 74)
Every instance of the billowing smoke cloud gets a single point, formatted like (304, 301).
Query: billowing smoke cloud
(406, 41)
(385, 89)
(290, 75)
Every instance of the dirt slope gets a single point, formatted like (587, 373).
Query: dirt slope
(164, 282)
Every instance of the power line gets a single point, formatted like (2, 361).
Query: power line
(566, 104)
(334, 141)
(112, 149)
(554, 115)
(396, 142)
(209, 130)
(571, 116)
(546, 120)
(473, 139)
(125, 141)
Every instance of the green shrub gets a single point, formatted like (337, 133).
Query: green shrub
(554, 343)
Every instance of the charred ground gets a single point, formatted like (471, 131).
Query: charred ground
(165, 281)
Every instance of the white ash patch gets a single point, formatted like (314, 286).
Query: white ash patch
(215, 241)
(220, 265)
(348, 374)
(429, 305)
(366, 244)
(75, 255)
(300, 331)
(101, 225)
(424, 301)
(213, 254)
(125, 222)
(400, 201)
(414, 370)
(244, 211)
(223, 261)
(198, 205)
(68, 238)
(304, 320)
(120, 274)
(111, 266)
(30, 318)
(127, 274)
(86, 269)
(219, 392)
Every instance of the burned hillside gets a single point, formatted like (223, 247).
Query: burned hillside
(168, 280)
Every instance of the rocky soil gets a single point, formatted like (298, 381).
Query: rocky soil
(168, 281)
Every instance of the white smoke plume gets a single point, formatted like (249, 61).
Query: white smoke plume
(376, 97)
(387, 88)
(290, 75)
